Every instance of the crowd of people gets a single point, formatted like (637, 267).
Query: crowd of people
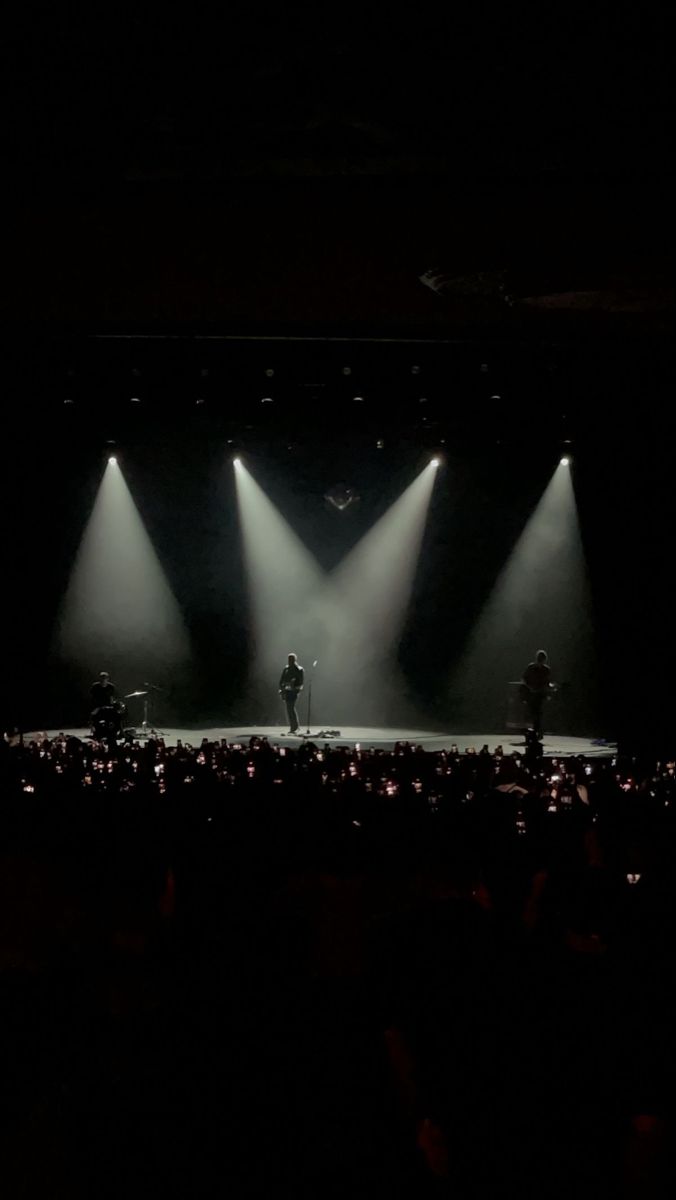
(329, 968)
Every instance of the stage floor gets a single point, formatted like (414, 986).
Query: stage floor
(554, 744)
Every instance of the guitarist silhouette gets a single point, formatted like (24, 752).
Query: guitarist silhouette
(536, 688)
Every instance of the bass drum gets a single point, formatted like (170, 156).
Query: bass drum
(107, 720)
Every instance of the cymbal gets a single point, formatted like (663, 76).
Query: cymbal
(129, 695)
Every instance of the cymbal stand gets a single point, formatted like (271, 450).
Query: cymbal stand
(147, 729)
(147, 711)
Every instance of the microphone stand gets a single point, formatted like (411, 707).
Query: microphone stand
(309, 698)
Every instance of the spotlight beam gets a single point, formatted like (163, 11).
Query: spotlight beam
(119, 607)
(370, 593)
(352, 617)
(373, 583)
(282, 575)
(540, 598)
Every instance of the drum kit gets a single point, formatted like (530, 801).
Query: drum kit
(108, 720)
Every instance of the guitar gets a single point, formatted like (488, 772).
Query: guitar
(290, 689)
(549, 690)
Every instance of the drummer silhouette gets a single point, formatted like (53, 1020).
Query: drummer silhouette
(106, 716)
(103, 691)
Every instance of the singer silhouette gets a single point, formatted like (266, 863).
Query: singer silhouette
(290, 686)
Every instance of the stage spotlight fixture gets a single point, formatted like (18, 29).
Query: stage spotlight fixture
(341, 496)
(347, 370)
(69, 401)
(434, 462)
(380, 444)
(134, 400)
(112, 461)
(358, 399)
(236, 462)
(266, 400)
(565, 461)
(269, 371)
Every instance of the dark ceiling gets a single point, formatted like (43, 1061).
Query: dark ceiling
(498, 175)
